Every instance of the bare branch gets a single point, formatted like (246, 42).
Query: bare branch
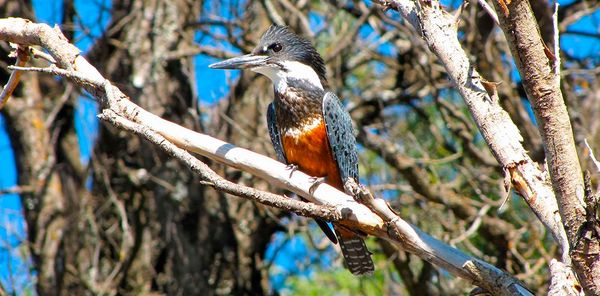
(413, 239)
(16, 190)
(556, 40)
(22, 58)
(594, 160)
(562, 280)
(330, 213)
(490, 10)
(573, 12)
(537, 66)
(305, 25)
(498, 130)
(272, 13)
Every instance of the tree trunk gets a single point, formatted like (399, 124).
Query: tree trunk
(147, 224)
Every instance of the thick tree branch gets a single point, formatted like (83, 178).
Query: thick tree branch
(161, 132)
(539, 69)
(502, 136)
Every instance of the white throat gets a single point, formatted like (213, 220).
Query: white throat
(294, 70)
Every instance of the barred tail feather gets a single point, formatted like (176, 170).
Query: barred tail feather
(356, 255)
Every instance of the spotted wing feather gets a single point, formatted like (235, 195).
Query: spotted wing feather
(343, 147)
(341, 136)
(274, 133)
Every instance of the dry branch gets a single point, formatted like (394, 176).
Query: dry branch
(118, 109)
(539, 70)
(15, 76)
(330, 213)
(500, 133)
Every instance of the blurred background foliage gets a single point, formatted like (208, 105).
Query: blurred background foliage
(92, 210)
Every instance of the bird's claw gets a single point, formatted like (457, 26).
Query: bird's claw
(352, 187)
(316, 182)
(292, 167)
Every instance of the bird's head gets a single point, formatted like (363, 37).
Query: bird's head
(281, 55)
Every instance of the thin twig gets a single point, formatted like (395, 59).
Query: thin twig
(58, 106)
(42, 55)
(272, 13)
(490, 11)
(556, 42)
(17, 190)
(22, 59)
(594, 160)
(474, 226)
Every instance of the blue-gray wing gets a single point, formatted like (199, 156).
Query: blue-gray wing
(274, 133)
(341, 136)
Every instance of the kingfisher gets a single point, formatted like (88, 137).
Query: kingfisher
(309, 128)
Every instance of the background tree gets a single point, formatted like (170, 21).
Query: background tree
(145, 224)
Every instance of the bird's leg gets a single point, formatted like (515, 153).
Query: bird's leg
(360, 193)
(316, 182)
(292, 167)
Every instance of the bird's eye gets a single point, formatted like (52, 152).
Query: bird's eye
(276, 47)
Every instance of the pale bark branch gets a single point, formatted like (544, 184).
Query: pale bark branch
(15, 76)
(176, 140)
(562, 280)
(490, 10)
(500, 133)
(274, 16)
(211, 178)
(592, 156)
(540, 73)
(400, 231)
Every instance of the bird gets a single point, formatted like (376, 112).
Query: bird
(309, 128)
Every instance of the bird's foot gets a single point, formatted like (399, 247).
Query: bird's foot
(292, 167)
(362, 195)
(353, 188)
(316, 182)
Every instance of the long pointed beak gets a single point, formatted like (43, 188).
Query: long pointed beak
(243, 62)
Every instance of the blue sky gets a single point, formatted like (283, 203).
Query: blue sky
(212, 86)
(12, 229)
